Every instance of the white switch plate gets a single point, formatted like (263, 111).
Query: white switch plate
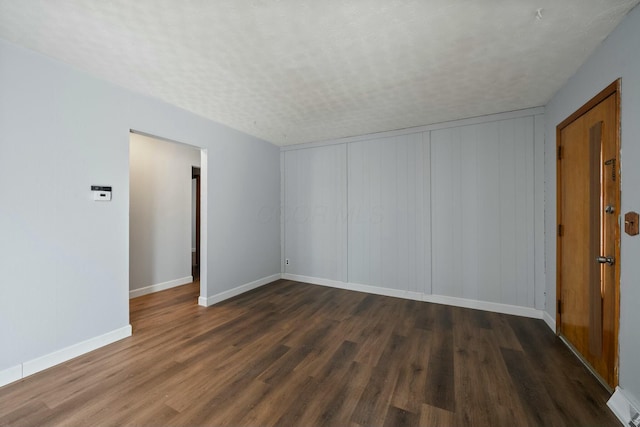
(103, 196)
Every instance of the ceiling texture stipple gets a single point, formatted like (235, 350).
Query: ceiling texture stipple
(295, 71)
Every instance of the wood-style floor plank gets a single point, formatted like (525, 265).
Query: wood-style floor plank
(296, 354)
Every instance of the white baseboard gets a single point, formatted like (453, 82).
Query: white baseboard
(41, 363)
(160, 287)
(377, 290)
(316, 281)
(68, 353)
(494, 307)
(622, 406)
(550, 321)
(359, 287)
(214, 299)
(419, 296)
(7, 376)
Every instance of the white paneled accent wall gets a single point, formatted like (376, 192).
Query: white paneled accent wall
(445, 214)
(315, 201)
(389, 214)
(482, 207)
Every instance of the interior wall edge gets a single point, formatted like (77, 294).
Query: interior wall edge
(540, 271)
(549, 320)
(225, 295)
(10, 375)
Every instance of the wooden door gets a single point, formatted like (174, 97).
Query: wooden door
(589, 232)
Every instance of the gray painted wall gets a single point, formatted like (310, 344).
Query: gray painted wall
(618, 56)
(160, 210)
(65, 258)
(315, 212)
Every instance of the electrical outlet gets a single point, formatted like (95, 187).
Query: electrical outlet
(286, 261)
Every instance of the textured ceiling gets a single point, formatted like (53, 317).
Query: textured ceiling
(293, 71)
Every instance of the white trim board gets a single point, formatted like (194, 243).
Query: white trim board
(160, 287)
(419, 296)
(60, 356)
(417, 129)
(224, 295)
(622, 407)
(550, 321)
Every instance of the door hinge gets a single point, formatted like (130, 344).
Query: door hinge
(560, 230)
(559, 152)
(559, 306)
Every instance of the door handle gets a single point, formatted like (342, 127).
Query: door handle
(606, 260)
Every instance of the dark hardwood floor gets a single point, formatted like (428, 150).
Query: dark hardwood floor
(291, 354)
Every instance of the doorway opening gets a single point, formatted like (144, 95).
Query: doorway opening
(588, 236)
(167, 215)
(195, 222)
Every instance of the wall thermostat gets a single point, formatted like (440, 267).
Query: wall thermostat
(101, 193)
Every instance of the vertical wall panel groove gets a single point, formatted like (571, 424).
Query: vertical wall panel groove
(427, 213)
(283, 201)
(538, 202)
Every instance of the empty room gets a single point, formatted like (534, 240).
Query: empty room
(300, 213)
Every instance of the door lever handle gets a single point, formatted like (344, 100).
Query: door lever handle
(606, 260)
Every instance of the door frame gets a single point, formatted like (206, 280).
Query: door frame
(202, 210)
(612, 89)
